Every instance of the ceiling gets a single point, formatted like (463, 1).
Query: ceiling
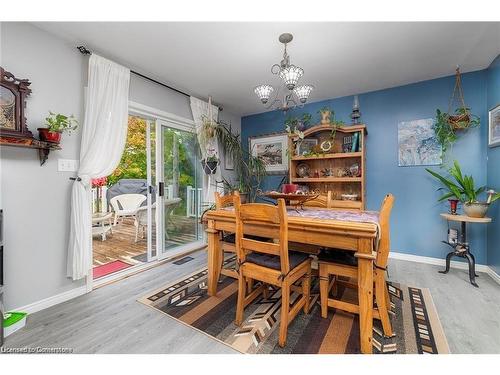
(227, 60)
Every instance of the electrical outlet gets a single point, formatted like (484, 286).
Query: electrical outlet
(67, 165)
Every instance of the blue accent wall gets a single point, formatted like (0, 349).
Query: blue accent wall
(493, 98)
(417, 227)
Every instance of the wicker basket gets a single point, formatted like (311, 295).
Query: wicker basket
(459, 122)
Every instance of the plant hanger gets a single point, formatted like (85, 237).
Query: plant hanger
(461, 119)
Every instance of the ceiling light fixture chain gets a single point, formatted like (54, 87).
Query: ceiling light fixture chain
(290, 74)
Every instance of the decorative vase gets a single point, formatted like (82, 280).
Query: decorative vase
(453, 206)
(325, 117)
(476, 209)
(289, 188)
(48, 136)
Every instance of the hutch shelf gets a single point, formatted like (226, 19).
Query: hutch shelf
(331, 159)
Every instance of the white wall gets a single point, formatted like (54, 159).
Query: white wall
(36, 199)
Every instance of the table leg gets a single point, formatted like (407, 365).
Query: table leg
(365, 293)
(213, 258)
(472, 268)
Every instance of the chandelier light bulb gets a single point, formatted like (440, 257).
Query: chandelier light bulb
(291, 75)
(264, 92)
(303, 92)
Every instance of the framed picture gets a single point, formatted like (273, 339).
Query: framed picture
(418, 144)
(306, 145)
(228, 162)
(272, 149)
(494, 126)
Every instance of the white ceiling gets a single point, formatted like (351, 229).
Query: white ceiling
(227, 60)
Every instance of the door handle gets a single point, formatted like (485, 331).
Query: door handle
(161, 189)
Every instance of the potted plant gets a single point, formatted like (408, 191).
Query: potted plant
(211, 162)
(446, 126)
(462, 188)
(249, 170)
(56, 125)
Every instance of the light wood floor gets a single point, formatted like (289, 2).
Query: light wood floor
(110, 320)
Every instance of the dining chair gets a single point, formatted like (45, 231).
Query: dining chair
(321, 201)
(227, 240)
(271, 263)
(343, 263)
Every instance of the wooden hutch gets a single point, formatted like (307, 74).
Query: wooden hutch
(325, 160)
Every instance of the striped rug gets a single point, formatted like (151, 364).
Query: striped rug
(414, 320)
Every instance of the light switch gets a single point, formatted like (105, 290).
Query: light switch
(67, 165)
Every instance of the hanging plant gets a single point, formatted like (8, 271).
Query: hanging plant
(449, 124)
(211, 162)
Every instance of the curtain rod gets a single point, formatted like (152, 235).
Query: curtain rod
(83, 50)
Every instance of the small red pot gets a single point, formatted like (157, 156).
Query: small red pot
(48, 136)
(453, 206)
(289, 188)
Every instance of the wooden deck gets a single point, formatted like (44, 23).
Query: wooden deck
(121, 246)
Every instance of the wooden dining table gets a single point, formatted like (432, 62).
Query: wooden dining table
(348, 230)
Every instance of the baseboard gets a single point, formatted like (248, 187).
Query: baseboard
(495, 276)
(52, 301)
(442, 262)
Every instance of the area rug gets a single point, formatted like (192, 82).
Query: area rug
(109, 268)
(414, 319)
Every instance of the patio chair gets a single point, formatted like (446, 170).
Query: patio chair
(141, 220)
(126, 205)
(170, 205)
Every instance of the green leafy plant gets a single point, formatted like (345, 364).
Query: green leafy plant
(447, 126)
(306, 118)
(249, 169)
(460, 186)
(59, 123)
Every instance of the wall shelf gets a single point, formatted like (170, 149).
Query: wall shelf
(43, 148)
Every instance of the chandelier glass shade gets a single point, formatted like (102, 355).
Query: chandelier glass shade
(264, 92)
(292, 95)
(303, 92)
(291, 75)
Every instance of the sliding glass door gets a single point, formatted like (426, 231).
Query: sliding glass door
(179, 188)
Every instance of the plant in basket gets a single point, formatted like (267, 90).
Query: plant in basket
(211, 162)
(449, 124)
(57, 124)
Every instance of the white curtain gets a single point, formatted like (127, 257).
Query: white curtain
(200, 110)
(104, 133)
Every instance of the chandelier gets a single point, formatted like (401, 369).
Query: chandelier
(290, 95)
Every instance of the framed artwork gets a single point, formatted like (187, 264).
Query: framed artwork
(272, 149)
(306, 145)
(494, 126)
(228, 162)
(417, 143)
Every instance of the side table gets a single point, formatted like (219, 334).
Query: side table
(101, 224)
(461, 248)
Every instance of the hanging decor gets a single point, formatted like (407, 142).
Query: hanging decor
(449, 124)
(291, 95)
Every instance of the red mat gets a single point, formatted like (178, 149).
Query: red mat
(110, 267)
